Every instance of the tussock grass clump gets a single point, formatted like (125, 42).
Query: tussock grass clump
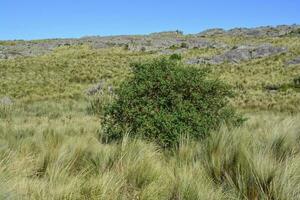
(47, 158)
(5, 111)
(165, 100)
(50, 147)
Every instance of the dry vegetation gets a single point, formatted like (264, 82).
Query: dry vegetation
(50, 148)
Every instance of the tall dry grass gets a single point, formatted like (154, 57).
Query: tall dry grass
(44, 157)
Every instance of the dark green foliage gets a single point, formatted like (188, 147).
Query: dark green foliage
(143, 49)
(164, 101)
(126, 47)
(175, 56)
(272, 87)
(184, 45)
(297, 82)
(179, 32)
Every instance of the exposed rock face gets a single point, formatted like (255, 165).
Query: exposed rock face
(295, 61)
(6, 101)
(152, 42)
(262, 31)
(31, 48)
(241, 53)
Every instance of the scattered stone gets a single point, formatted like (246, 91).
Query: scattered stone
(194, 61)
(6, 101)
(266, 50)
(263, 31)
(171, 51)
(110, 89)
(2, 55)
(204, 43)
(148, 43)
(294, 61)
(212, 32)
(98, 88)
(241, 53)
(244, 53)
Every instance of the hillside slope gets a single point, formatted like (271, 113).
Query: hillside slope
(50, 132)
(261, 63)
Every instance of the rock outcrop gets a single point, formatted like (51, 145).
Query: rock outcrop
(295, 61)
(96, 89)
(6, 101)
(156, 42)
(241, 53)
(263, 31)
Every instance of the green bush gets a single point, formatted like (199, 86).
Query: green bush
(175, 56)
(184, 45)
(297, 82)
(164, 101)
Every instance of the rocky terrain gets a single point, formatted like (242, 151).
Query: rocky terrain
(52, 95)
(165, 43)
(241, 53)
(262, 63)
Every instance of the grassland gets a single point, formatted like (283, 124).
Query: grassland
(50, 148)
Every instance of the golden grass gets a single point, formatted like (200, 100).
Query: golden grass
(49, 156)
(50, 148)
(67, 72)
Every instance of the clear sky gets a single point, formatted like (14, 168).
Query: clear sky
(34, 19)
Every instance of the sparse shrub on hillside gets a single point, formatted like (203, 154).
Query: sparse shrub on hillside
(184, 45)
(175, 56)
(297, 82)
(164, 101)
(143, 49)
(126, 47)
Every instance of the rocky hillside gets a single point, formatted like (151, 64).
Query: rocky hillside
(262, 64)
(165, 43)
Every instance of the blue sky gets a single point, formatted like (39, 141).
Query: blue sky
(34, 19)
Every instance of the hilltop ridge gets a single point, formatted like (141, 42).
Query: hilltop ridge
(152, 42)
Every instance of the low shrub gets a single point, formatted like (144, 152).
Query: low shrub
(297, 82)
(175, 56)
(184, 45)
(165, 100)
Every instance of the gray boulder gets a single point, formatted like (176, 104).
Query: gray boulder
(263, 31)
(266, 50)
(154, 42)
(244, 53)
(2, 55)
(294, 61)
(212, 32)
(241, 53)
(194, 61)
(96, 89)
(6, 101)
(202, 60)
(171, 51)
(200, 43)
